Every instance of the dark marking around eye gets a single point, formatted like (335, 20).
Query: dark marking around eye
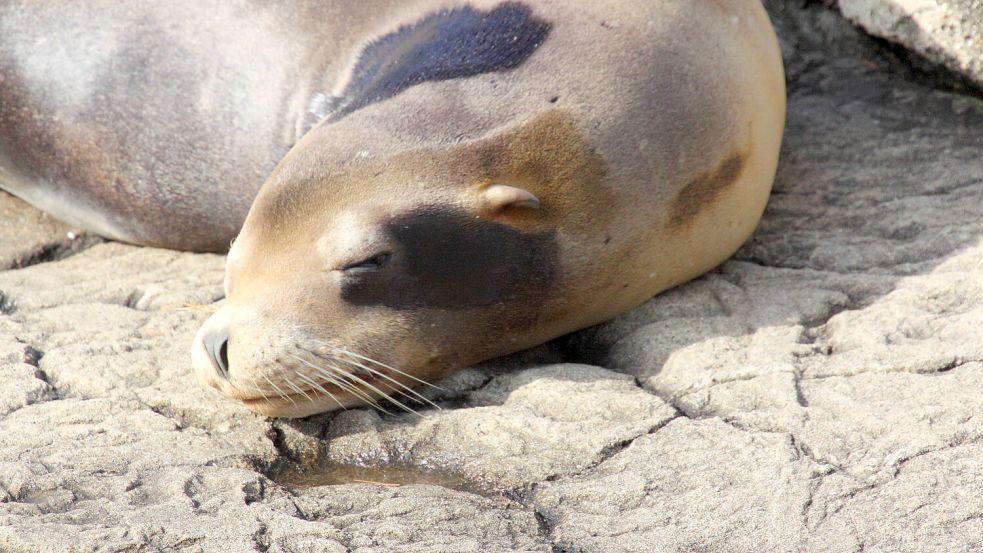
(445, 259)
(448, 44)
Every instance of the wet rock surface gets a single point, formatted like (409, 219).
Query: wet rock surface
(819, 392)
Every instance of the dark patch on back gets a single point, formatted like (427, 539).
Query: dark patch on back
(447, 259)
(448, 44)
(702, 192)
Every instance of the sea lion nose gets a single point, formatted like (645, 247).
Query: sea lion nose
(216, 345)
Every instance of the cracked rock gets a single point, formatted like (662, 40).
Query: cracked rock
(521, 428)
(31, 236)
(691, 486)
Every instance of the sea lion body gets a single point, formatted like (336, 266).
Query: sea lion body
(479, 177)
(157, 122)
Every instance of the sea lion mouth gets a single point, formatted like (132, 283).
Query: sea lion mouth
(368, 392)
(295, 405)
(273, 400)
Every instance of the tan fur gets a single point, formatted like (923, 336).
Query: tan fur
(649, 132)
(549, 156)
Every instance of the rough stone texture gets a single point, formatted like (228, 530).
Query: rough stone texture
(819, 392)
(946, 32)
(31, 236)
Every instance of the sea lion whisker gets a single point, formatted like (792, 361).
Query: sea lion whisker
(346, 386)
(352, 389)
(335, 361)
(328, 377)
(341, 383)
(399, 392)
(402, 389)
(355, 380)
(256, 389)
(255, 386)
(409, 393)
(367, 384)
(370, 360)
(323, 390)
(381, 364)
(278, 390)
(297, 389)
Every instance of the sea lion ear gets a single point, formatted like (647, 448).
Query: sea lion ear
(498, 198)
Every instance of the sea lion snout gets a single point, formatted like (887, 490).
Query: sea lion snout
(236, 353)
(284, 367)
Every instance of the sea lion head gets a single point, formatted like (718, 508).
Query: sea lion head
(362, 277)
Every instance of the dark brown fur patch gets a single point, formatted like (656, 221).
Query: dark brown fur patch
(702, 192)
(550, 157)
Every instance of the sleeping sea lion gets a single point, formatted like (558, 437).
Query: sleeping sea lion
(453, 181)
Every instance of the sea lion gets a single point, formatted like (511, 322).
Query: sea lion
(469, 178)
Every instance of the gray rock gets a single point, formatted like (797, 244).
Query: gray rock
(518, 429)
(31, 235)
(691, 486)
(946, 32)
(849, 325)
(819, 392)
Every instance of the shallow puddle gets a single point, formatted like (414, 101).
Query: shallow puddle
(334, 474)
